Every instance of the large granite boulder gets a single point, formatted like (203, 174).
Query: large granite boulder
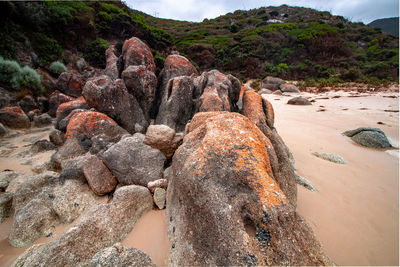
(135, 52)
(101, 227)
(133, 162)
(177, 106)
(224, 206)
(301, 101)
(28, 103)
(142, 84)
(14, 117)
(113, 99)
(99, 178)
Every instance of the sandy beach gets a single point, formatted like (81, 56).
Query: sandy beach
(354, 210)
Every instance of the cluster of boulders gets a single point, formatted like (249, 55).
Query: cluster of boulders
(200, 145)
(273, 85)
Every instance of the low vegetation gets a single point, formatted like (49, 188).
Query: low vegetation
(290, 42)
(56, 68)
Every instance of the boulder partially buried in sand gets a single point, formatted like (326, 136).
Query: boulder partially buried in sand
(301, 101)
(14, 117)
(369, 137)
(223, 184)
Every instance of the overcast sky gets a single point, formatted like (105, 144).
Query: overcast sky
(196, 10)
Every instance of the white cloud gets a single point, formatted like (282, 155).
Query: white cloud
(192, 10)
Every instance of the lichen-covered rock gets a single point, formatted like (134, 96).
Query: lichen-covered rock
(62, 124)
(142, 84)
(112, 98)
(289, 88)
(66, 108)
(135, 53)
(31, 222)
(163, 138)
(111, 63)
(73, 199)
(14, 117)
(56, 99)
(214, 91)
(101, 227)
(271, 83)
(5, 205)
(133, 162)
(57, 137)
(222, 181)
(299, 101)
(70, 83)
(261, 113)
(120, 256)
(175, 66)
(369, 137)
(89, 124)
(99, 178)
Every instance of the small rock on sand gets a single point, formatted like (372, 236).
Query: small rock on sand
(335, 158)
(299, 101)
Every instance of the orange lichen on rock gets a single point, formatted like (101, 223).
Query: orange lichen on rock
(181, 63)
(135, 52)
(233, 141)
(77, 103)
(87, 123)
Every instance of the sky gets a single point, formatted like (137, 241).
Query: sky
(196, 10)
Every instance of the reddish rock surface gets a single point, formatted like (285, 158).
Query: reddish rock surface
(224, 205)
(56, 99)
(142, 84)
(70, 83)
(111, 65)
(271, 83)
(14, 117)
(99, 178)
(113, 99)
(261, 113)
(135, 52)
(65, 108)
(216, 92)
(91, 123)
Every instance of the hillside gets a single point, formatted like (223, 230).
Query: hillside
(289, 42)
(387, 25)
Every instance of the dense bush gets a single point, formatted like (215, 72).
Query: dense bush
(95, 52)
(13, 75)
(46, 48)
(57, 67)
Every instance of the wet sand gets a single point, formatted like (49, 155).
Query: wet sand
(355, 210)
(150, 236)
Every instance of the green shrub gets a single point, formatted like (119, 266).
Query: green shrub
(256, 85)
(57, 67)
(10, 72)
(13, 75)
(31, 79)
(47, 48)
(95, 52)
